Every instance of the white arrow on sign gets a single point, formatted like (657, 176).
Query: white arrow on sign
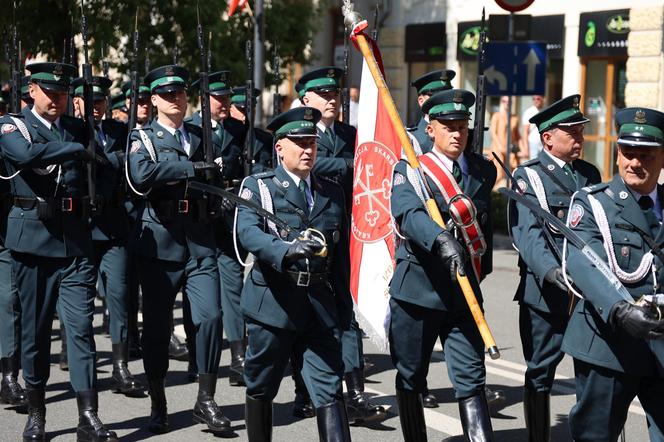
(494, 75)
(531, 61)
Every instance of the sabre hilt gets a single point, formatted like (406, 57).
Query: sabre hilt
(316, 235)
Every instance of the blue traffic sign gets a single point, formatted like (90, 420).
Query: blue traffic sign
(515, 68)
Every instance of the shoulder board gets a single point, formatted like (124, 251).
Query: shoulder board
(411, 128)
(146, 129)
(596, 188)
(19, 115)
(327, 179)
(530, 162)
(261, 175)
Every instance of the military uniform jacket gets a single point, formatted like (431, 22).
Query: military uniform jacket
(65, 234)
(536, 256)
(419, 131)
(270, 294)
(170, 236)
(589, 336)
(418, 276)
(331, 160)
(262, 151)
(112, 222)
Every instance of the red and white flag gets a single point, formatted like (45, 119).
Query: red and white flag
(372, 245)
(234, 4)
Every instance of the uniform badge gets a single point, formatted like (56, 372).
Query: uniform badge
(246, 194)
(169, 71)
(522, 185)
(330, 73)
(561, 213)
(7, 128)
(624, 251)
(135, 146)
(160, 134)
(623, 195)
(285, 184)
(308, 114)
(640, 117)
(575, 102)
(57, 72)
(551, 167)
(458, 96)
(575, 215)
(283, 233)
(399, 179)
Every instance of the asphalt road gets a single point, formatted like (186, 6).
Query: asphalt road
(128, 417)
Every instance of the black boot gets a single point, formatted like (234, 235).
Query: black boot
(206, 410)
(90, 427)
(495, 399)
(360, 409)
(333, 422)
(122, 381)
(475, 420)
(411, 415)
(537, 414)
(258, 419)
(63, 362)
(35, 426)
(158, 423)
(177, 350)
(11, 391)
(428, 399)
(302, 405)
(236, 376)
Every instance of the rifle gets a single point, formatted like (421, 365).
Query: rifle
(146, 65)
(480, 103)
(345, 99)
(249, 113)
(15, 64)
(89, 113)
(133, 107)
(374, 32)
(104, 68)
(276, 97)
(204, 87)
(70, 101)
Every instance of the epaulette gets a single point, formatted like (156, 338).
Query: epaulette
(411, 128)
(261, 175)
(19, 115)
(327, 179)
(596, 188)
(530, 162)
(136, 129)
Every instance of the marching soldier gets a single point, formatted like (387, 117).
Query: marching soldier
(426, 303)
(427, 85)
(49, 236)
(320, 89)
(119, 111)
(612, 338)
(175, 246)
(228, 136)
(263, 156)
(26, 99)
(144, 106)
(544, 302)
(110, 230)
(296, 295)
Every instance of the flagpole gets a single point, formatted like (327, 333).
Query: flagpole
(357, 24)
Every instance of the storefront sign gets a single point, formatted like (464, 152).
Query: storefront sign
(603, 33)
(468, 40)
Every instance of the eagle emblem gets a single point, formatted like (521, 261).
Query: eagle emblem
(640, 117)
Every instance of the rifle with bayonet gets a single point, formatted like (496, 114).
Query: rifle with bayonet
(105, 68)
(204, 88)
(249, 112)
(480, 88)
(345, 99)
(276, 97)
(374, 31)
(88, 101)
(70, 101)
(15, 64)
(135, 84)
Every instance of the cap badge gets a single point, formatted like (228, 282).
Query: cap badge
(169, 71)
(623, 195)
(640, 117)
(458, 97)
(575, 102)
(308, 114)
(443, 77)
(330, 73)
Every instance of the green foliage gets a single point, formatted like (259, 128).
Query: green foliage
(47, 26)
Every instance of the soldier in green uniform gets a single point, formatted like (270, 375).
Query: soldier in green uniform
(320, 89)
(110, 230)
(119, 111)
(296, 295)
(49, 236)
(426, 302)
(614, 337)
(175, 245)
(544, 302)
(228, 137)
(427, 85)
(263, 155)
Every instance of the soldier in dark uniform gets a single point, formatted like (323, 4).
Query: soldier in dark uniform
(320, 89)
(263, 155)
(427, 85)
(228, 136)
(110, 230)
(544, 302)
(175, 245)
(144, 106)
(294, 299)
(616, 340)
(49, 236)
(26, 99)
(426, 303)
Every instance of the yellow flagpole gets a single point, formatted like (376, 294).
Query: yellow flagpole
(352, 19)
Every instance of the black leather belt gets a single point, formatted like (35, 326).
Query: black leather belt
(47, 207)
(305, 279)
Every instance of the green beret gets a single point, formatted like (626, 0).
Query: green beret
(451, 104)
(563, 112)
(640, 127)
(295, 123)
(434, 81)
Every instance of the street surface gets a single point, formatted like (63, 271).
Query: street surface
(128, 417)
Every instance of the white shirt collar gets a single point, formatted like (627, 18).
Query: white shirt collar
(449, 163)
(652, 195)
(324, 128)
(171, 131)
(44, 121)
(296, 179)
(558, 161)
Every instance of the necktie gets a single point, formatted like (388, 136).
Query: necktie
(457, 174)
(569, 171)
(100, 136)
(56, 131)
(647, 205)
(178, 137)
(330, 136)
(304, 190)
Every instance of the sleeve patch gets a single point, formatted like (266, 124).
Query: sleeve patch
(521, 183)
(7, 128)
(246, 194)
(575, 215)
(135, 146)
(399, 179)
